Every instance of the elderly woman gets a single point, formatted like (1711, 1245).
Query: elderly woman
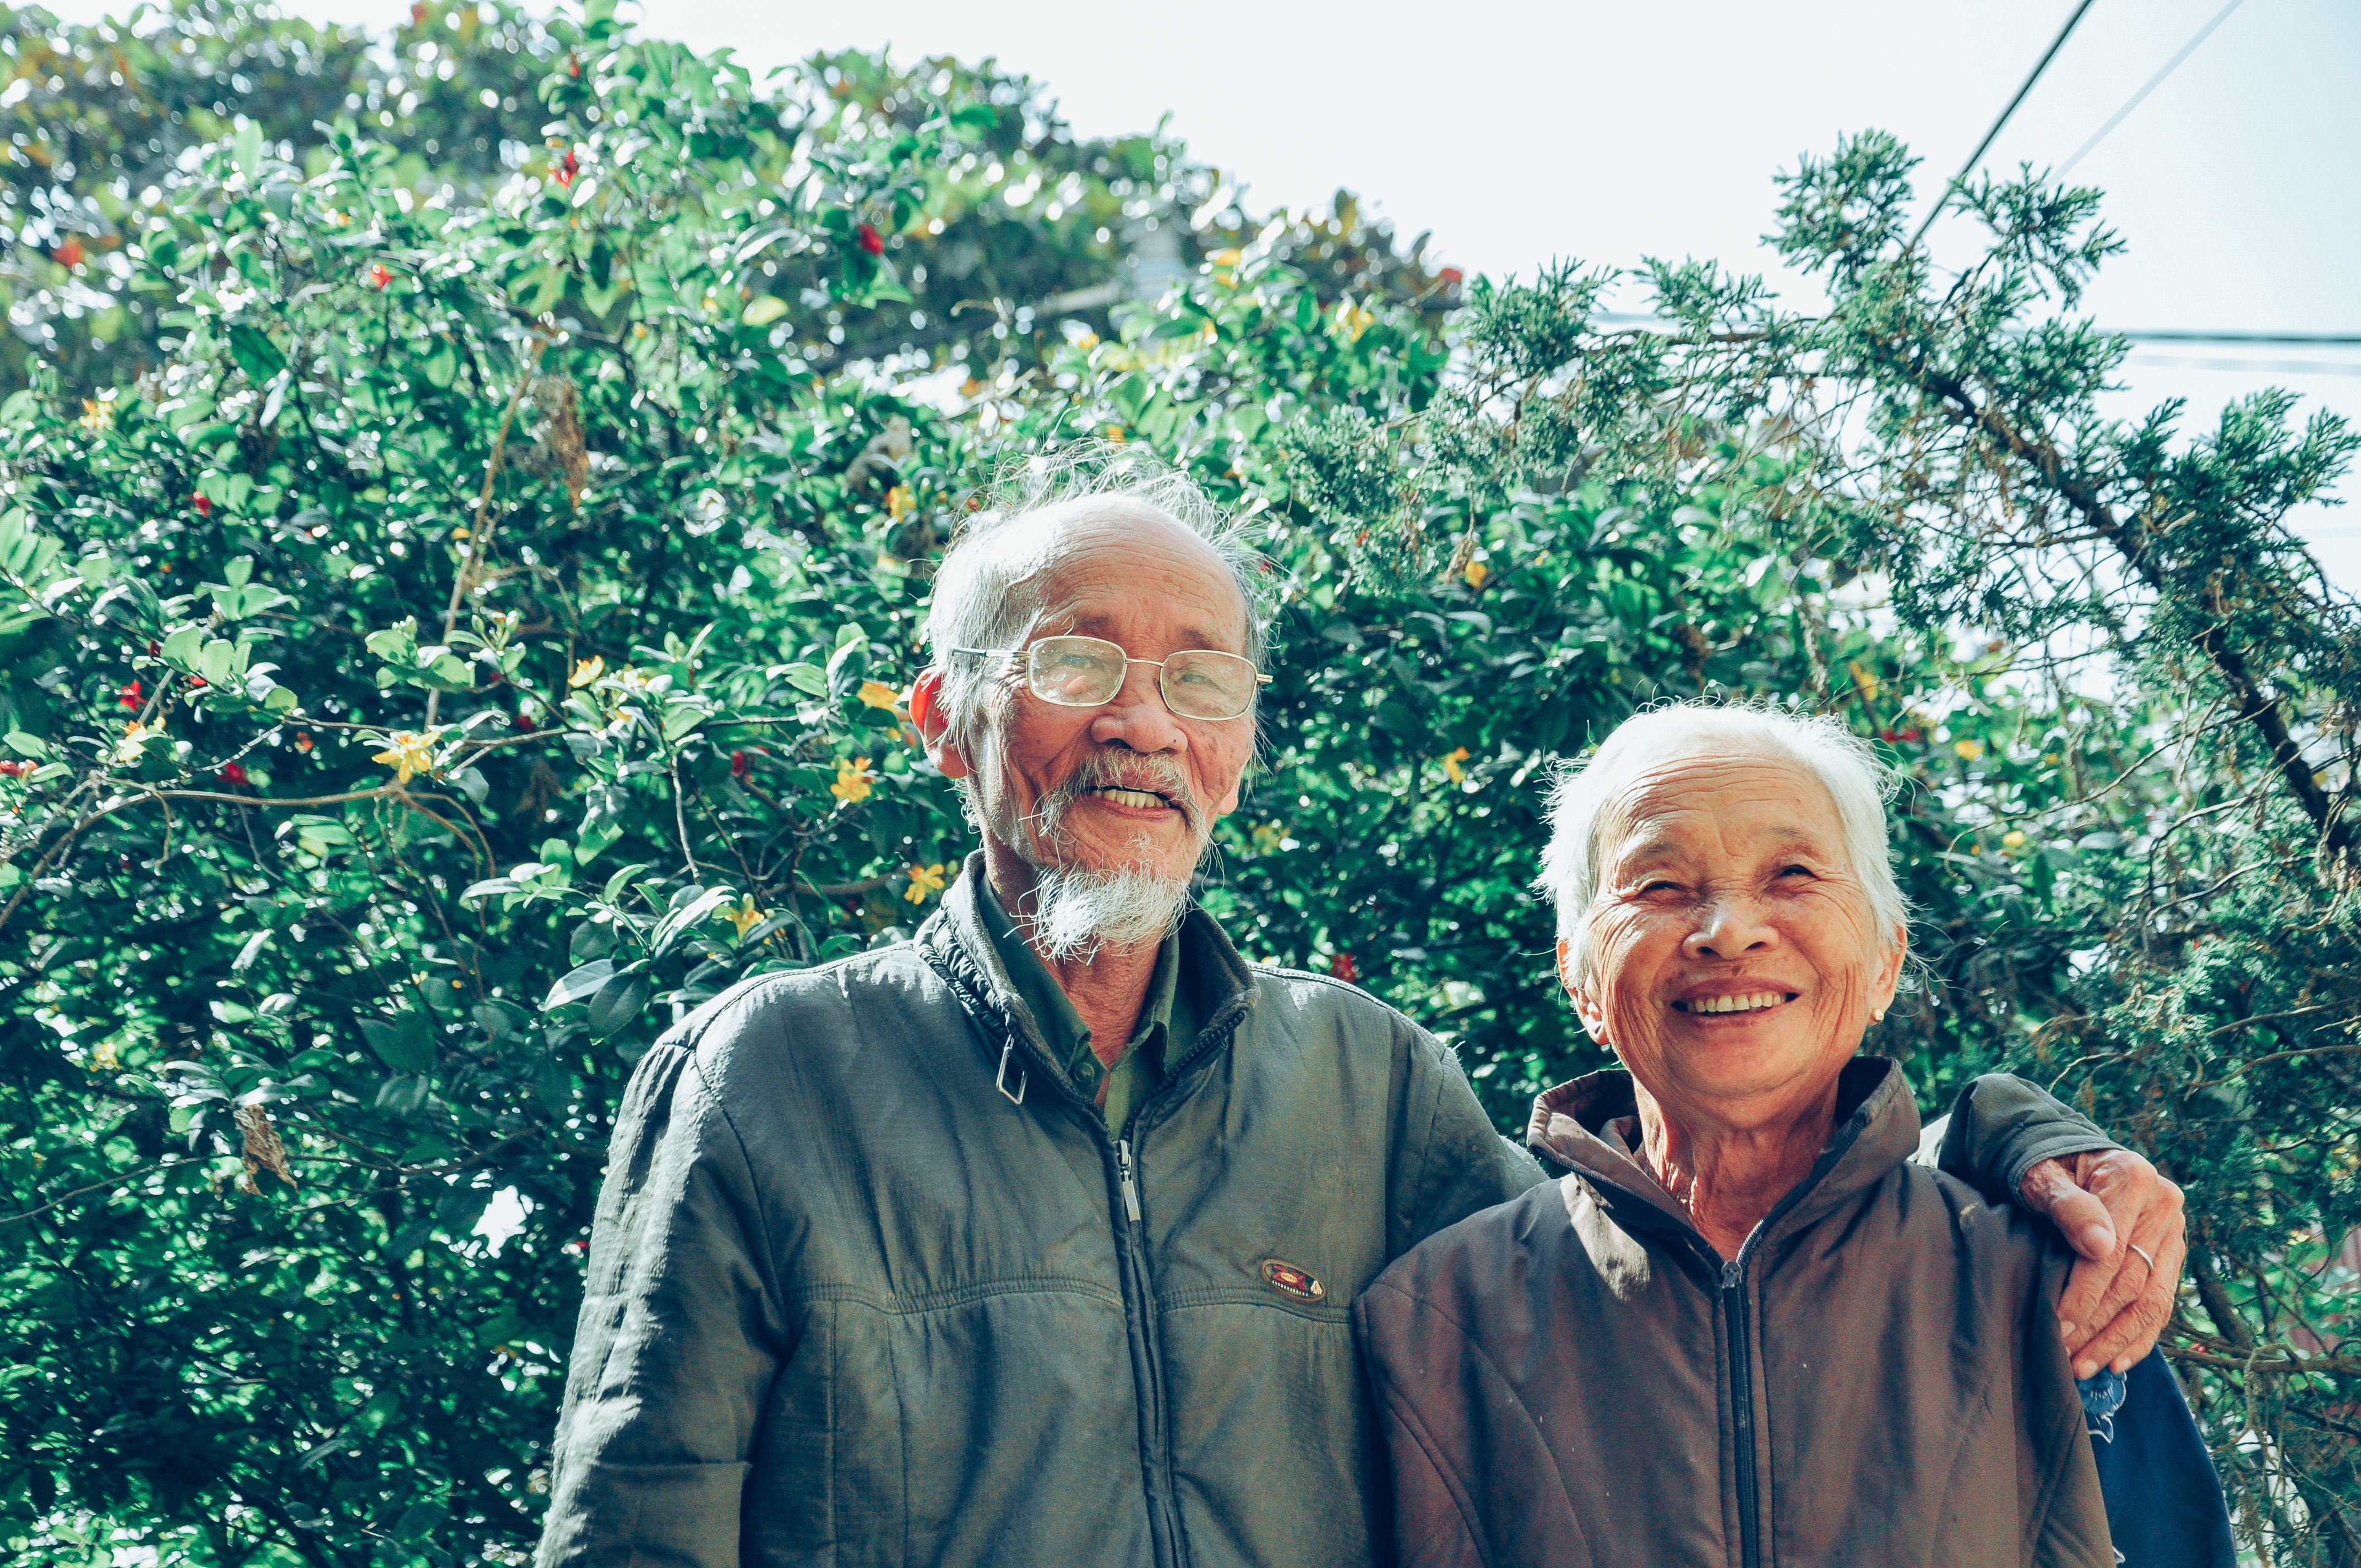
(1744, 1329)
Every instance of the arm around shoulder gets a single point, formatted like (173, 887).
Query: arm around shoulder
(681, 1332)
(2001, 1126)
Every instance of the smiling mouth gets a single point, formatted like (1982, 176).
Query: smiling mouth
(1142, 799)
(1755, 1003)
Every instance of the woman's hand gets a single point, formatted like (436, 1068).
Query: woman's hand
(2116, 1300)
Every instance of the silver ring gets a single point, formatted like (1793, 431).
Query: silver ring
(2144, 1257)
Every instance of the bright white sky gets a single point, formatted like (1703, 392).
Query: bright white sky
(1517, 132)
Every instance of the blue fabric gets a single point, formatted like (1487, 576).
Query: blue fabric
(2164, 1502)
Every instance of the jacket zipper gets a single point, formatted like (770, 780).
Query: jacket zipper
(1741, 1400)
(1130, 1186)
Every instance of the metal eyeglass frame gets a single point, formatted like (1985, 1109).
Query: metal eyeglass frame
(1023, 658)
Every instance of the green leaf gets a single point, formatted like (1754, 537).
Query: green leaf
(405, 1043)
(616, 1003)
(254, 353)
(579, 984)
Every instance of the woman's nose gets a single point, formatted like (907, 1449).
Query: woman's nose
(1138, 717)
(1731, 926)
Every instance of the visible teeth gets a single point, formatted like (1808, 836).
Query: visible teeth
(1139, 797)
(1736, 1003)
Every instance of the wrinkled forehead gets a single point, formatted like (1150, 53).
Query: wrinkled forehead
(1099, 563)
(1706, 796)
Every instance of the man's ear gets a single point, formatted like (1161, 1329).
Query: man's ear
(932, 718)
(1594, 1021)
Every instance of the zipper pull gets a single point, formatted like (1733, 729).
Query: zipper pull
(1130, 1186)
(1733, 1275)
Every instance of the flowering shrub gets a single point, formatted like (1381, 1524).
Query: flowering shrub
(483, 633)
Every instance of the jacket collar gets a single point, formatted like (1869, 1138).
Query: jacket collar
(954, 940)
(1876, 1130)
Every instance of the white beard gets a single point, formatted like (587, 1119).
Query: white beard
(1076, 912)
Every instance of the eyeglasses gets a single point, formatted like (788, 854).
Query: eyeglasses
(1087, 672)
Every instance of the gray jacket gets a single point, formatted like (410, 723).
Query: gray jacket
(872, 1282)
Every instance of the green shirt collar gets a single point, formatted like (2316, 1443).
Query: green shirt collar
(1158, 1037)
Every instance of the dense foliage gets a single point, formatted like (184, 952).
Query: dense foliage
(458, 623)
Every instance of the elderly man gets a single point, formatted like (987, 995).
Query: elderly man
(1032, 1240)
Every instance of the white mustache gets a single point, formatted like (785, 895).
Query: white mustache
(1151, 771)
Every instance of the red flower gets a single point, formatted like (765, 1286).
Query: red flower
(15, 770)
(377, 276)
(522, 721)
(195, 680)
(154, 647)
(129, 696)
(1451, 276)
(204, 506)
(302, 739)
(1341, 965)
(568, 169)
(739, 766)
(870, 240)
(574, 65)
(233, 773)
(68, 254)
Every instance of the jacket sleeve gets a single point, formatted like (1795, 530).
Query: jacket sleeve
(2002, 1126)
(1434, 1513)
(679, 1337)
(1451, 1161)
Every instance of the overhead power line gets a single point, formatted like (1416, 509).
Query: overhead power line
(1985, 146)
(2311, 339)
(2153, 83)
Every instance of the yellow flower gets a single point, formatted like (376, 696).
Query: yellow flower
(408, 752)
(1862, 679)
(900, 502)
(852, 781)
(742, 915)
(98, 414)
(1475, 573)
(1353, 320)
(585, 671)
(461, 533)
(1968, 750)
(877, 694)
(1087, 340)
(2011, 841)
(1227, 257)
(135, 736)
(925, 880)
(103, 1058)
(1451, 768)
(1114, 433)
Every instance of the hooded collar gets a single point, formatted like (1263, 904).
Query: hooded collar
(954, 940)
(1876, 1130)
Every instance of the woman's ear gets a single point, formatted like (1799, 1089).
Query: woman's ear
(932, 718)
(1886, 979)
(1594, 1020)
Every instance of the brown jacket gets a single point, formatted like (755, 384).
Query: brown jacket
(1575, 1377)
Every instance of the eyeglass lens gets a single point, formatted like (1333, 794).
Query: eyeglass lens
(1084, 671)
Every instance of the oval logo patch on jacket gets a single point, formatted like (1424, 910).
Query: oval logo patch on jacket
(1289, 1280)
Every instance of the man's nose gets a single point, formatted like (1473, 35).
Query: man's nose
(1730, 927)
(1136, 715)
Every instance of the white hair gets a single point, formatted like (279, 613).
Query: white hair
(1843, 762)
(993, 584)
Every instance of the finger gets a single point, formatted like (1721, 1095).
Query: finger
(2128, 1338)
(2081, 1218)
(2124, 1333)
(2088, 1284)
